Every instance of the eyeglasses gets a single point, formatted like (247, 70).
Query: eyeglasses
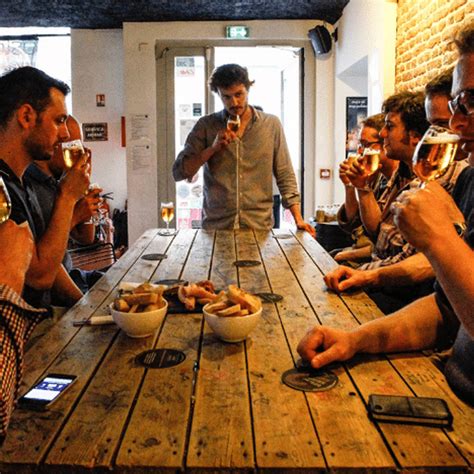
(464, 102)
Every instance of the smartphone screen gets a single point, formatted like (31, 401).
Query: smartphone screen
(47, 390)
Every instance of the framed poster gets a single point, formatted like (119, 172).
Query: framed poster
(356, 113)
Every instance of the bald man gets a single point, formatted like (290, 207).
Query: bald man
(45, 177)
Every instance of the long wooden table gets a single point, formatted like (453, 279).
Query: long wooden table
(225, 409)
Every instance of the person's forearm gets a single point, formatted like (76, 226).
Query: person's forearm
(414, 327)
(370, 213)
(295, 210)
(414, 269)
(453, 261)
(12, 279)
(351, 204)
(50, 249)
(65, 288)
(84, 233)
(191, 164)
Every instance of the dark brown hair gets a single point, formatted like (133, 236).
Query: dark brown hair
(228, 75)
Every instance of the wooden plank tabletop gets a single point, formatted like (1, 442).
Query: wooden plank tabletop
(225, 408)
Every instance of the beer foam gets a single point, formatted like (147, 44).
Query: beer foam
(441, 138)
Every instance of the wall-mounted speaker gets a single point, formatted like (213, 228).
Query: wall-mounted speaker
(320, 39)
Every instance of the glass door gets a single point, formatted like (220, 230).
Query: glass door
(184, 97)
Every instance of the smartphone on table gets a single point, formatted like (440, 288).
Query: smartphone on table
(412, 410)
(46, 391)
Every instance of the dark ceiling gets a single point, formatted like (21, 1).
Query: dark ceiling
(112, 13)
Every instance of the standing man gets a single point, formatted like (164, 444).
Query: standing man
(32, 122)
(239, 165)
(423, 217)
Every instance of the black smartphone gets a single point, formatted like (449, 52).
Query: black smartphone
(414, 410)
(46, 391)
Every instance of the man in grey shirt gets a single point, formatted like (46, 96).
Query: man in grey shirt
(239, 165)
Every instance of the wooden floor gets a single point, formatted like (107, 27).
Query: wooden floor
(225, 409)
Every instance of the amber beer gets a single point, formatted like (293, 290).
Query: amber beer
(434, 155)
(72, 151)
(167, 212)
(233, 123)
(370, 160)
(5, 203)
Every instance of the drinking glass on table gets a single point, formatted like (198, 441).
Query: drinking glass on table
(72, 151)
(97, 217)
(167, 214)
(434, 153)
(5, 202)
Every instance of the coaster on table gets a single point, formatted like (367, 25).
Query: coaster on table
(269, 297)
(154, 256)
(247, 263)
(160, 358)
(309, 380)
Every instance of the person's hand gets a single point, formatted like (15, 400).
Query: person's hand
(306, 227)
(87, 207)
(342, 278)
(222, 140)
(343, 169)
(344, 255)
(323, 345)
(17, 244)
(426, 215)
(75, 182)
(357, 175)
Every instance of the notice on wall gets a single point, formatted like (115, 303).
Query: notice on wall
(140, 126)
(95, 132)
(141, 157)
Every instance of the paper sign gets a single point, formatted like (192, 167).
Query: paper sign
(95, 132)
(140, 126)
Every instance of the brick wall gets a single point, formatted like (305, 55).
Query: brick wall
(424, 31)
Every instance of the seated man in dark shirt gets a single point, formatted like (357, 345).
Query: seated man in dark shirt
(423, 218)
(32, 122)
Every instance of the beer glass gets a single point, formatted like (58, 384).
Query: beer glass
(5, 202)
(370, 160)
(72, 151)
(434, 153)
(167, 214)
(233, 123)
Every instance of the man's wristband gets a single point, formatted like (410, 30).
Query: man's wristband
(367, 189)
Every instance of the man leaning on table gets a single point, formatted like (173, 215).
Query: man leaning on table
(423, 217)
(17, 318)
(239, 166)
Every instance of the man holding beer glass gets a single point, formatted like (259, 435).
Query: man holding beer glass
(241, 148)
(32, 122)
(423, 217)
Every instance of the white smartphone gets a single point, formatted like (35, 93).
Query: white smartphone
(46, 391)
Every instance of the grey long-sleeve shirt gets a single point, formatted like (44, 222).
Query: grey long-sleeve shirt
(238, 179)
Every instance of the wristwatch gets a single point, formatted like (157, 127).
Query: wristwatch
(460, 228)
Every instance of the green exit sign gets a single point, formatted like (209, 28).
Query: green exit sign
(237, 32)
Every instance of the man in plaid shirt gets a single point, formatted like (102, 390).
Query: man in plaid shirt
(397, 274)
(17, 318)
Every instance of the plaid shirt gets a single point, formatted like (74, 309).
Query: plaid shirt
(390, 246)
(17, 321)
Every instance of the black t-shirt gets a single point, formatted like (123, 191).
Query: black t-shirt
(459, 369)
(25, 207)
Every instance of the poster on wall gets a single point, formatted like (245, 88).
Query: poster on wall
(356, 113)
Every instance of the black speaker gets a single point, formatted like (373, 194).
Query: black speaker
(320, 39)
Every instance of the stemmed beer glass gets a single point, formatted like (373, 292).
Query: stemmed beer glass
(233, 123)
(434, 153)
(5, 202)
(167, 214)
(72, 151)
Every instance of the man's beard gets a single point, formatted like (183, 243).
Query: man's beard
(36, 151)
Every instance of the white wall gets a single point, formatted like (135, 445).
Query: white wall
(97, 68)
(365, 65)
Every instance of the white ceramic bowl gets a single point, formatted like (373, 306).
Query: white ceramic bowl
(139, 324)
(232, 328)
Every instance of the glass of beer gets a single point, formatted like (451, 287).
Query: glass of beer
(370, 160)
(233, 123)
(167, 214)
(72, 151)
(434, 153)
(5, 202)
